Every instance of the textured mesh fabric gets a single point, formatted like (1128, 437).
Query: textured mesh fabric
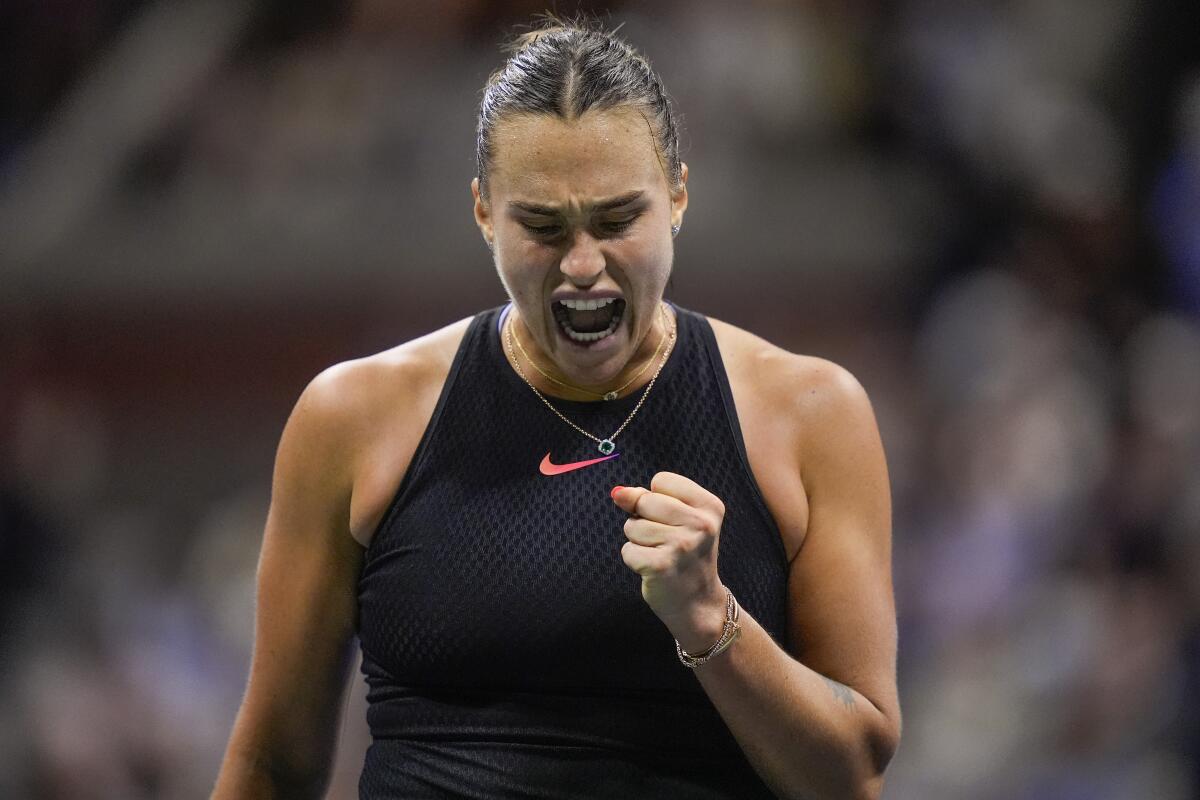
(506, 646)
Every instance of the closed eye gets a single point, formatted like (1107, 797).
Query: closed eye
(542, 231)
(606, 228)
(616, 227)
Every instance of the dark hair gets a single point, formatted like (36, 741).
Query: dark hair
(565, 68)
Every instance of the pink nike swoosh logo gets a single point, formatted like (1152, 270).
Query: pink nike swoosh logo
(549, 468)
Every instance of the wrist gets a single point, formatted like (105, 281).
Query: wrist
(703, 625)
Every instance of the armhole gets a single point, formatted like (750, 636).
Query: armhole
(422, 449)
(735, 429)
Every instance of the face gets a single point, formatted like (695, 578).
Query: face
(581, 210)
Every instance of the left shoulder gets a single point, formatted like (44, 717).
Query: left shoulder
(818, 390)
(819, 408)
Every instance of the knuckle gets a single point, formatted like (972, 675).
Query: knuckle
(706, 524)
(683, 545)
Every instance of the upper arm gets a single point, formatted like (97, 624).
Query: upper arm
(306, 602)
(841, 606)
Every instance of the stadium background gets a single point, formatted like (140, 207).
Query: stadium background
(988, 210)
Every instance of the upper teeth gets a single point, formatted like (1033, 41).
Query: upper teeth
(587, 305)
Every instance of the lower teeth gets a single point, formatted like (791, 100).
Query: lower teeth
(592, 337)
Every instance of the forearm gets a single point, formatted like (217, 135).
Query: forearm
(246, 776)
(265, 760)
(806, 735)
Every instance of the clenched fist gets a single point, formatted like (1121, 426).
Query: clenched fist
(673, 530)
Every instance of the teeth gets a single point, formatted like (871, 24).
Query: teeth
(587, 305)
(592, 337)
(564, 321)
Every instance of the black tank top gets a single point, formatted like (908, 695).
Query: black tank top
(507, 649)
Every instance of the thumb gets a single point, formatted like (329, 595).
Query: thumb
(626, 497)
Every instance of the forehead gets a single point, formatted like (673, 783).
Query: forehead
(539, 157)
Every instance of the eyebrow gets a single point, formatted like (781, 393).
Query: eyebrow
(603, 205)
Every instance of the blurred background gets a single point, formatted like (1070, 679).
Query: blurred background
(988, 210)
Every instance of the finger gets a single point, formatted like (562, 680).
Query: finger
(626, 497)
(678, 545)
(686, 490)
(648, 533)
(643, 503)
(668, 510)
(645, 561)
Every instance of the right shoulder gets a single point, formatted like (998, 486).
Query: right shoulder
(354, 392)
(358, 422)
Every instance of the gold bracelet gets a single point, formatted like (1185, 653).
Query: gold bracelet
(729, 632)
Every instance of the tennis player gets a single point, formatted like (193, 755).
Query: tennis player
(592, 544)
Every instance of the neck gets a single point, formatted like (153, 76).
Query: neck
(546, 376)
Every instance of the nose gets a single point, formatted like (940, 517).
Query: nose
(583, 263)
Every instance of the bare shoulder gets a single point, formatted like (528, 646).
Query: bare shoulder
(359, 385)
(816, 403)
(371, 413)
(811, 385)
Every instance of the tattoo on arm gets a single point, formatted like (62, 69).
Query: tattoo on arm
(841, 691)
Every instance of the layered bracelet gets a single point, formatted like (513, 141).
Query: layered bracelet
(728, 634)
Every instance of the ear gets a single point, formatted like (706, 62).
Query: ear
(679, 197)
(483, 215)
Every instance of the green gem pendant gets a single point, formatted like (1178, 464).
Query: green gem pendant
(607, 446)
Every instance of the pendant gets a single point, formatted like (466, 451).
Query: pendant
(610, 396)
(607, 446)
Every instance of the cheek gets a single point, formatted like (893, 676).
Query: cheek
(522, 274)
(653, 263)
(521, 254)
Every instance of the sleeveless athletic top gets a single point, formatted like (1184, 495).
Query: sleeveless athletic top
(507, 649)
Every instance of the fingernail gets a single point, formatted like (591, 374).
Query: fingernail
(613, 493)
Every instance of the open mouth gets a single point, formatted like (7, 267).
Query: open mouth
(587, 321)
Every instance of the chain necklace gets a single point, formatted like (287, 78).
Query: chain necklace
(607, 445)
(611, 395)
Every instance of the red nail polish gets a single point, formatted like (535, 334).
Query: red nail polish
(613, 493)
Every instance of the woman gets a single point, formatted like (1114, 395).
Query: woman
(481, 506)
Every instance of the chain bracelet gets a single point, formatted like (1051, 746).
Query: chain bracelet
(729, 633)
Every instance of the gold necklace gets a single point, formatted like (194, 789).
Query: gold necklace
(606, 445)
(611, 395)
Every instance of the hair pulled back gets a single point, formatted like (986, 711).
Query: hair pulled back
(566, 68)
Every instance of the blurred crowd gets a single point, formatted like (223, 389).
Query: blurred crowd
(989, 211)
